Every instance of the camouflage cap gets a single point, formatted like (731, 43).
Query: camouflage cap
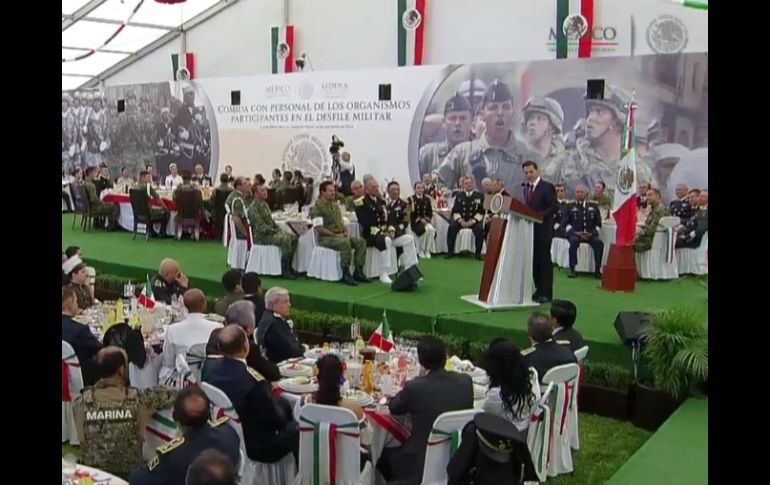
(479, 88)
(547, 106)
(615, 99)
(458, 102)
(66, 97)
(497, 92)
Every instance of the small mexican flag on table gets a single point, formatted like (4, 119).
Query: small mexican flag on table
(382, 338)
(147, 299)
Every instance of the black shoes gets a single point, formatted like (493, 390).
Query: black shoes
(571, 273)
(347, 279)
(359, 276)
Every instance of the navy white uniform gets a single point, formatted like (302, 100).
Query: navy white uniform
(558, 228)
(468, 206)
(580, 217)
(682, 209)
(372, 214)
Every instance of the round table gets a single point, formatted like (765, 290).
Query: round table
(99, 476)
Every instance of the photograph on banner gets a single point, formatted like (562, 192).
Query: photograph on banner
(485, 120)
(133, 126)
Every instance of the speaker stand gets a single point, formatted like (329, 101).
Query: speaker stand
(619, 274)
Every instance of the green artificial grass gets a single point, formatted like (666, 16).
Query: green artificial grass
(435, 306)
(605, 444)
(678, 452)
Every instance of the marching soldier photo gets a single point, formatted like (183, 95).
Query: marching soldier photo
(457, 125)
(166, 147)
(497, 153)
(95, 133)
(69, 135)
(581, 222)
(372, 215)
(643, 240)
(543, 120)
(467, 213)
(265, 231)
(332, 234)
(421, 221)
(184, 130)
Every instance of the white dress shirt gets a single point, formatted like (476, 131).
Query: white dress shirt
(172, 181)
(493, 404)
(182, 335)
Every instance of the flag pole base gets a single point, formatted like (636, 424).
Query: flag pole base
(619, 273)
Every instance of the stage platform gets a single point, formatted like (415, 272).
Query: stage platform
(435, 306)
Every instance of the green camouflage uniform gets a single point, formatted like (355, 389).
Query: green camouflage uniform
(111, 419)
(265, 231)
(350, 203)
(431, 156)
(83, 295)
(98, 207)
(350, 248)
(238, 203)
(550, 108)
(643, 240)
(557, 154)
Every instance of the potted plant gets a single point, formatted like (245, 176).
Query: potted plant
(675, 352)
(604, 390)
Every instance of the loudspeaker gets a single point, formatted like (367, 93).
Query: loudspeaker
(407, 280)
(235, 98)
(630, 325)
(384, 92)
(595, 89)
(121, 105)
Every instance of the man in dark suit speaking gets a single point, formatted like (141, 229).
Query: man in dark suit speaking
(541, 196)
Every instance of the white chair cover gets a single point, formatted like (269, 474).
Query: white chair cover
(237, 249)
(324, 262)
(694, 261)
(337, 459)
(580, 355)
(284, 471)
(222, 406)
(465, 241)
(74, 377)
(264, 260)
(443, 441)
(560, 252)
(564, 378)
(373, 262)
(560, 255)
(659, 263)
(539, 431)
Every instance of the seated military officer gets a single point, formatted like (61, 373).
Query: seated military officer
(581, 221)
(680, 207)
(562, 203)
(421, 220)
(545, 353)
(192, 413)
(98, 207)
(169, 281)
(643, 240)
(467, 213)
(357, 189)
(111, 417)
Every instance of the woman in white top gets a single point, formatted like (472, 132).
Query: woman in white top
(510, 389)
(173, 179)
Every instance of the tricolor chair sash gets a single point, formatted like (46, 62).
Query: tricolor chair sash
(325, 457)
(66, 393)
(453, 437)
(226, 228)
(562, 404)
(226, 411)
(539, 437)
(670, 244)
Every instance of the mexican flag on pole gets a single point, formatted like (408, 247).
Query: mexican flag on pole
(624, 206)
(382, 338)
(410, 20)
(282, 49)
(574, 28)
(189, 66)
(147, 299)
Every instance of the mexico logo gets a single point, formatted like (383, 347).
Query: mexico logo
(575, 26)
(305, 90)
(411, 19)
(667, 35)
(625, 180)
(282, 50)
(306, 153)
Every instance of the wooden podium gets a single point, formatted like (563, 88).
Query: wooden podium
(507, 278)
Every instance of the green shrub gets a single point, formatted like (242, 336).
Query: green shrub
(609, 376)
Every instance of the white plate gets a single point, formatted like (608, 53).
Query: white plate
(294, 370)
(291, 385)
(360, 399)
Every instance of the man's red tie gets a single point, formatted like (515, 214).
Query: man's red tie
(529, 192)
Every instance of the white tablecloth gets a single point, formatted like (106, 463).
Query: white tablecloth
(99, 476)
(126, 220)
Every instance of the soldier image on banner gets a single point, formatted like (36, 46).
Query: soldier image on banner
(201, 135)
(595, 158)
(543, 119)
(473, 90)
(497, 154)
(79, 112)
(457, 125)
(185, 131)
(132, 141)
(95, 133)
(69, 136)
(164, 141)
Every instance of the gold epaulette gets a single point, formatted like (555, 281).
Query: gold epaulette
(171, 445)
(256, 375)
(562, 342)
(527, 351)
(218, 422)
(215, 356)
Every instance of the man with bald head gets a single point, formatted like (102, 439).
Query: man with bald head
(581, 221)
(169, 282)
(193, 415)
(270, 434)
(192, 331)
(546, 352)
(680, 207)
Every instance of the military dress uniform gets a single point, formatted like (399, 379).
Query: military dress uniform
(643, 240)
(694, 229)
(583, 217)
(479, 161)
(352, 249)
(373, 217)
(682, 209)
(398, 215)
(604, 202)
(561, 209)
(163, 291)
(546, 355)
(468, 206)
(265, 231)
(420, 210)
(111, 418)
(169, 466)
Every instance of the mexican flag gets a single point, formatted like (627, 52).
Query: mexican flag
(147, 299)
(574, 27)
(624, 205)
(282, 49)
(410, 21)
(382, 338)
(189, 66)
